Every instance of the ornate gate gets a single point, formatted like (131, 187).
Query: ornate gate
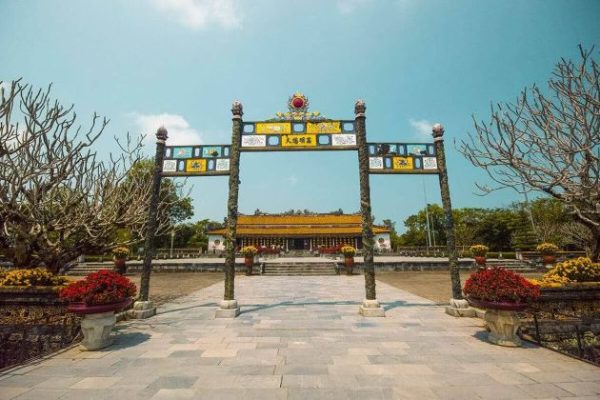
(299, 129)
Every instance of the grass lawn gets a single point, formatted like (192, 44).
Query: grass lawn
(166, 286)
(432, 285)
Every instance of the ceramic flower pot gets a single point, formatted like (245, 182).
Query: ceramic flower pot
(548, 259)
(249, 263)
(349, 264)
(98, 322)
(120, 266)
(501, 318)
(480, 260)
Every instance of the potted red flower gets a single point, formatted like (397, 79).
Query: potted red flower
(348, 252)
(97, 297)
(501, 292)
(249, 252)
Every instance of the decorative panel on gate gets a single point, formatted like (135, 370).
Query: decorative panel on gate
(196, 160)
(402, 158)
(298, 129)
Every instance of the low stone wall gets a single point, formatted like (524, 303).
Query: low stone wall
(217, 267)
(33, 322)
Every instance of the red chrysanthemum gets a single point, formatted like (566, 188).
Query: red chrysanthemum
(101, 287)
(500, 285)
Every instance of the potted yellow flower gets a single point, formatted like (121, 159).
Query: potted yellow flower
(348, 252)
(479, 251)
(249, 252)
(120, 256)
(548, 251)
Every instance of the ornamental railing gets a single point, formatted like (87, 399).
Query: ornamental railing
(566, 320)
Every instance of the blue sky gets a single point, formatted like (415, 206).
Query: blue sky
(181, 63)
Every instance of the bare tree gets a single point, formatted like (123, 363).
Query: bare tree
(57, 198)
(548, 142)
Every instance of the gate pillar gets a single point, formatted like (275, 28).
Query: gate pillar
(229, 307)
(458, 307)
(370, 306)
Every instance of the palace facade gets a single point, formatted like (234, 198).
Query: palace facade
(300, 232)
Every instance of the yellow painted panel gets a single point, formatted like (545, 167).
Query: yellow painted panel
(324, 127)
(273, 127)
(299, 140)
(195, 165)
(402, 163)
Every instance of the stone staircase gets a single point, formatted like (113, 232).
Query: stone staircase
(86, 268)
(289, 269)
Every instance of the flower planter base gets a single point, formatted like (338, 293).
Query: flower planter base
(460, 308)
(503, 327)
(96, 330)
(228, 309)
(371, 308)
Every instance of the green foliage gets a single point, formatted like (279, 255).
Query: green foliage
(189, 235)
(501, 229)
(180, 208)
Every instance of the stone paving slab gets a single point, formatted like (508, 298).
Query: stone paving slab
(302, 338)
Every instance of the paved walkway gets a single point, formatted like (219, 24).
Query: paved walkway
(302, 338)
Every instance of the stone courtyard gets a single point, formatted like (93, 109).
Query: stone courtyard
(302, 338)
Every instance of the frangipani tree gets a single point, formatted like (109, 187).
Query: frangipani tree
(549, 142)
(57, 198)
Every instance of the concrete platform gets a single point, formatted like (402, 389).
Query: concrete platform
(303, 339)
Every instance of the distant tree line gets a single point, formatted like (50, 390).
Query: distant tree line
(518, 226)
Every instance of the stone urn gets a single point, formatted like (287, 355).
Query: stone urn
(249, 263)
(349, 264)
(98, 322)
(501, 318)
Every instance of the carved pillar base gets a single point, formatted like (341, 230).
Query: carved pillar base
(228, 309)
(371, 308)
(142, 310)
(460, 308)
(503, 328)
(96, 330)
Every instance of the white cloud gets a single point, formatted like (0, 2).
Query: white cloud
(421, 127)
(348, 6)
(292, 180)
(180, 131)
(198, 14)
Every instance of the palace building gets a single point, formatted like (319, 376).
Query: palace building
(300, 232)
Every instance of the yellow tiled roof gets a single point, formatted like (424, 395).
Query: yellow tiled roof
(300, 225)
(317, 219)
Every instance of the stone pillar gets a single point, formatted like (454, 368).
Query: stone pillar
(143, 308)
(459, 307)
(229, 307)
(370, 306)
